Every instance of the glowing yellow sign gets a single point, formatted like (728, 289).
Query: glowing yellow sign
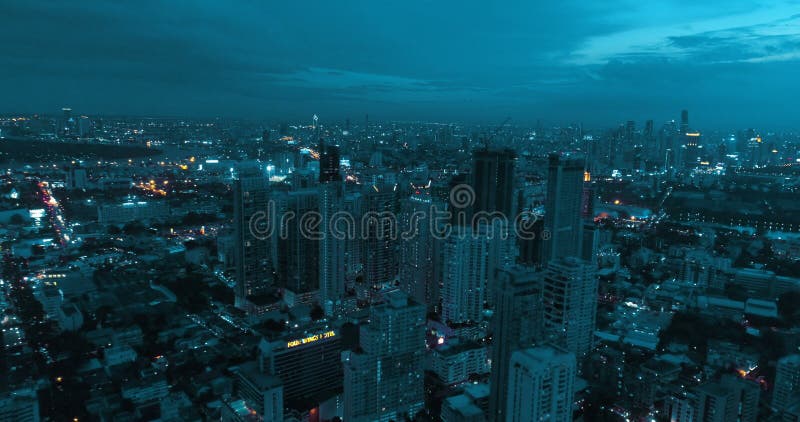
(310, 339)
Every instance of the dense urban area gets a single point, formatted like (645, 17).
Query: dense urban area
(178, 269)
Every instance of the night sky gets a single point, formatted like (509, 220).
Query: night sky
(732, 63)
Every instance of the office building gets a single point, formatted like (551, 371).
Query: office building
(417, 250)
(516, 325)
(465, 275)
(379, 231)
(307, 363)
(384, 379)
(684, 122)
(569, 297)
(540, 386)
(332, 240)
(563, 207)
(294, 250)
(252, 238)
(492, 179)
(787, 382)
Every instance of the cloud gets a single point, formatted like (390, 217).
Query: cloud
(738, 36)
(589, 61)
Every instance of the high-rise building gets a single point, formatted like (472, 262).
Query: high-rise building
(333, 239)
(540, 387)
(307, 362)
(787, 382)
(569, 297)
(630, 133)
(67, 122)
(494, 209)
(295, 250)
(563, 207)
(354, 247)
(684, 122)
(465, 275)
(329, 163)
(84, 127)
(417, 250)
(589, 231)
(384, 379)
(516, 325)
(492, 179)
(251, 230)
(379, 226)
(530, 248)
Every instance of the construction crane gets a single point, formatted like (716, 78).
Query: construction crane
(487, 139)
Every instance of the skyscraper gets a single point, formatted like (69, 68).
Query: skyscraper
(684, 122)
(563, 206)
(516, 324)
(383, 380)
(329, 163)
(251, 223)
(787, 382)
(492, 179)
(465, 275)
(354, 246)
(540, 387)
(417, 250)
(379, 235)
(569, 297)
(295, 250)
(332, 241)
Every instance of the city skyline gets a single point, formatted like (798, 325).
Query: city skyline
(363, 211)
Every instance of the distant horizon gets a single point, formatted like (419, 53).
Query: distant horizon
(359, 120)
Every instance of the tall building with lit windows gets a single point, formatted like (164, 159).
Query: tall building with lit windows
(540, 386)
(251, 232)
(384, 378)
(564, 206)
(417, 250)
(379, 234)
(332, 241)
(492, 179)
(293, 250)
(569, 297)
(308, 363)
(465, 275)
(516, 325)
(684, 121)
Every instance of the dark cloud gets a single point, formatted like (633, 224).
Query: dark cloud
(563, 61)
